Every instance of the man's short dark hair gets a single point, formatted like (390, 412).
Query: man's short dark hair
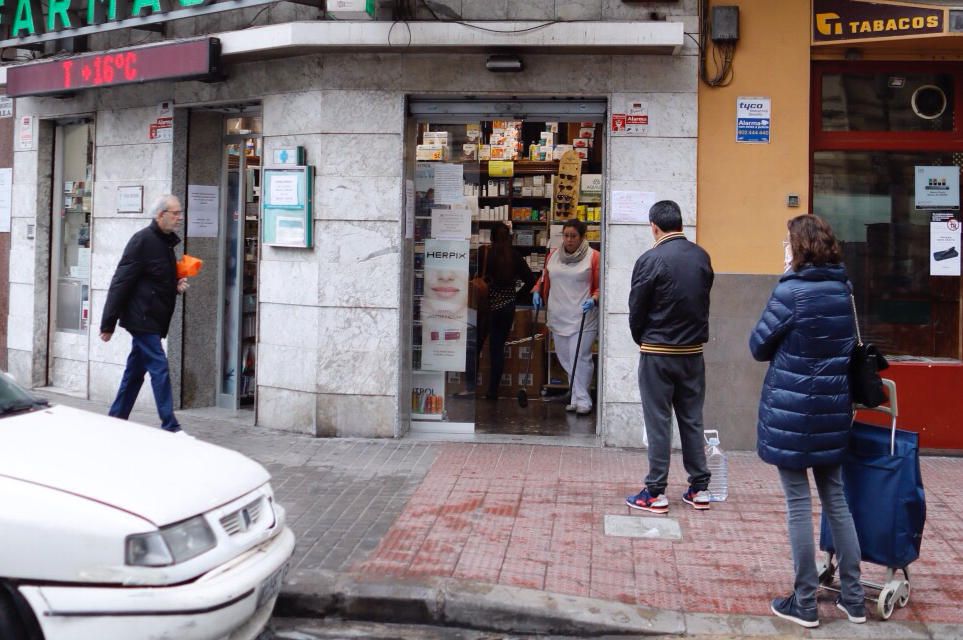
(666, 215)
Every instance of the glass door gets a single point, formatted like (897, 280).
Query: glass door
(70, 256)
(237, 321)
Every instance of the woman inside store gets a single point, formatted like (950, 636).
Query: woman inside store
(503, 267)
(570, 287)
(806, 333)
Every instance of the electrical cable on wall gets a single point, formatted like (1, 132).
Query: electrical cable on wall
(722, 52)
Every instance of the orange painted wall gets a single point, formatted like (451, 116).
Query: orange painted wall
(742, 188)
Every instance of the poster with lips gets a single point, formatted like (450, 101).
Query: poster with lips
(444, 306)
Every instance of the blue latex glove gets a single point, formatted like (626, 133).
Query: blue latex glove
(588, 305)
(537, 300)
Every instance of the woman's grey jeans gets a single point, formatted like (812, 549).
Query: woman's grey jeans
(799, 517)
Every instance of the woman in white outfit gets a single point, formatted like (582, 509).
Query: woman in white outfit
(570, 286)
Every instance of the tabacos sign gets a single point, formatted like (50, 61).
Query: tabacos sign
(24, 18)
(841, 20)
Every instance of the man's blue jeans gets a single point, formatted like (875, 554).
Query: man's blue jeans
(146, 356)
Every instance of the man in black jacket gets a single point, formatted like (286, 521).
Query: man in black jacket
(142, 296)
(669, 319)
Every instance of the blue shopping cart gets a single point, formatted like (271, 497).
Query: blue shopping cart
(884, 489)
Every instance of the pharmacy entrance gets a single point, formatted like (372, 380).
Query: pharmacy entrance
(493, 189)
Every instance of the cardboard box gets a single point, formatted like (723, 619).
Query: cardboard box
(435, 137)
(431, 152)
(351, 9)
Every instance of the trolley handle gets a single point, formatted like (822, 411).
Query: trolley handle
(890, 408)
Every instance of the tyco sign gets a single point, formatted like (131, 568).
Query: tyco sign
(841, 20)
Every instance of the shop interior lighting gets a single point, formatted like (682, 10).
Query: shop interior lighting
(504, 63)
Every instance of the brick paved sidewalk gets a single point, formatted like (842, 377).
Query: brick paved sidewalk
(533, 516)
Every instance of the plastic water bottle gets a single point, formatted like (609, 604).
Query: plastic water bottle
(718, 464)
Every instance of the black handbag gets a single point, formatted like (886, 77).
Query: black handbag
(865, 385)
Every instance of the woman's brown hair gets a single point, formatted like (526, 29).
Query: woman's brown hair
(812, 242)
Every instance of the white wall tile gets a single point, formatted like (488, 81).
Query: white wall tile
(294, 368)
(288, 282)
(293, 113)
(286, 410)
(655, 159)
(350, 198)
(362, 112)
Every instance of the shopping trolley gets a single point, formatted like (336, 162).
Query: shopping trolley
(884, 489)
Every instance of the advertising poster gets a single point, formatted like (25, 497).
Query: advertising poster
(427, 395)
(444, 306)
(938, 187)
(944, 244)
(753, 120)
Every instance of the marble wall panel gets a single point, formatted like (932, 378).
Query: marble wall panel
(624, 243)
(23, 201)
(578, 10)
(105, 198)
(621, 382)
(683, 193)
(134, 162)
(293, 113)
(20, 365)
(21, 299)
(359, 330)
(22, 264)
(69, 374)
(366, 155)
(529, 10)
(357, 416)
(618, 283)
(667, 74)
(617, 340)
(286, 410)
(285, 282)
(71, 345)
(371, 71)
(656, 159)
(356, 372)
(345, 111)
(620, 10)
(623, 426)
(349, 198)
(20, 329)
(288, 325)
(294, 368)
(122, 126)
(486, 9)
(110, 236)
(362, 265)
(24, 169)
(671, 115)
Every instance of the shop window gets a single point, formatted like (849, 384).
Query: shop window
(887, 101)
(868, 198)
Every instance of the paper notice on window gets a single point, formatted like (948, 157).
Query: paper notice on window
(284, 190)
(449, 183)
(290, 231)
(202, 210)
(631, 207)
(6, 198)
(944, 244)
(451, 224)
(938, 187)
(409, 209)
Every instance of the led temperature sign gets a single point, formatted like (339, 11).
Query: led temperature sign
(172, 61)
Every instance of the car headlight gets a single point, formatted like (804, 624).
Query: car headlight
(170, 545)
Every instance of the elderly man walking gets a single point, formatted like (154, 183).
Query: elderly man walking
(142, 296)
(669, 319)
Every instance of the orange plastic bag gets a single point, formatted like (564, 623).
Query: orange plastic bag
(188, 266)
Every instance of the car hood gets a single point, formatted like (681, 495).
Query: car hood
(145, 471)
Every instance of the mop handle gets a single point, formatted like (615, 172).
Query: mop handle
(578, 347)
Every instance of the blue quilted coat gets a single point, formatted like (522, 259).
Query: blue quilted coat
(807, 334)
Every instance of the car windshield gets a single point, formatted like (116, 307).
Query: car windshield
(14, 398)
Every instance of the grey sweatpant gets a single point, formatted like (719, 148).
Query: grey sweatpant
(667, 383)
(799, 517)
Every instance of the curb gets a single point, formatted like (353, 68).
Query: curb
(515, 610)
(467, 604)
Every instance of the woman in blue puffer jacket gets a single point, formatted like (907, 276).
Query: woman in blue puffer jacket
(807, 333)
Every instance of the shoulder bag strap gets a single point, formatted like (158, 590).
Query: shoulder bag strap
(859, 339)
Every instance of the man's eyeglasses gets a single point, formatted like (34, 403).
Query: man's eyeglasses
(175, 212)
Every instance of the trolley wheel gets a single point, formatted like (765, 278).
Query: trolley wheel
(826, 570)
(887, 599)
(904, 594)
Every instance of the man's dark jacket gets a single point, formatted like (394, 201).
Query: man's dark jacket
(144, 288)
(669, 301)
(807, 333)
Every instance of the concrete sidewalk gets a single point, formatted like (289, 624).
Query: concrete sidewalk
(532, 539)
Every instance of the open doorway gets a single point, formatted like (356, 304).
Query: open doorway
(488, 190)
(222, 203)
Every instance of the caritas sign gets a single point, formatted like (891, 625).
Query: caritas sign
(842, 20)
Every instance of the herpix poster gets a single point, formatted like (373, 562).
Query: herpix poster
(444, 307)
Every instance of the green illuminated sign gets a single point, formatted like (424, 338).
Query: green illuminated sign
(23, 18)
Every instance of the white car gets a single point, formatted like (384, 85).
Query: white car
(112, 530)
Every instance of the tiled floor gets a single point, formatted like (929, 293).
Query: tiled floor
(532, 516)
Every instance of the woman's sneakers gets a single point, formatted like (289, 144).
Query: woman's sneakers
(789, 609)
(855, 612)
(645, 501)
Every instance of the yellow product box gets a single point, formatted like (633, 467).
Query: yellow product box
(593, 235)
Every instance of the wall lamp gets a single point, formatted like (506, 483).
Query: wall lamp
(501, 63)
